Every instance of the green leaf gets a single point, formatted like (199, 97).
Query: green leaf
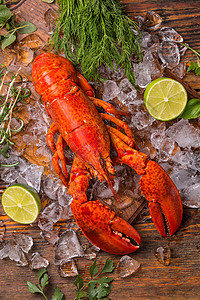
(93, 269)
(7, 26)
(5, 14)
(78, 282)
(12, 20)
(8, 40)
(92, 291)
(41, 272)
(44, 280)
(81, 294)
(98, 289)
(58, 295)
(48, 1)
(105, 279)
(25, 27)
(108, 267)
(192, 110)
(33, 288)
(194, 67)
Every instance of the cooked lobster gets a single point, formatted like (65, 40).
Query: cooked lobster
(70, 102)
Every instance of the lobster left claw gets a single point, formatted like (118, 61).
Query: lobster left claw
(165, 204)
(98, 223)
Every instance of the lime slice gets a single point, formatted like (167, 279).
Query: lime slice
(21, 203)
(165, 98)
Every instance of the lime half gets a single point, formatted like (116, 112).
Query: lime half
(21, 203)
(165, 98)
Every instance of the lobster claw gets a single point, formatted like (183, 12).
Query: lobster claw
(98, 223)
(165, 204)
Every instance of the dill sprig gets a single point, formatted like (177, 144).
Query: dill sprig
(10, 102)
(96, 32)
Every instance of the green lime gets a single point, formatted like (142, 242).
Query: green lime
(21, 203)
(165, 98)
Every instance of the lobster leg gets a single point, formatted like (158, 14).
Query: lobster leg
(122, 125)
(108, 107)
(164, 200)
(84, 85)
(99, 224)
(50, 135)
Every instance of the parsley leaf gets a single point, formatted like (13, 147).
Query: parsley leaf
(97, 288)
(58, 295)
(108, 267)
(194, 66)
(42, 282)
(33, 287)
(93, 269)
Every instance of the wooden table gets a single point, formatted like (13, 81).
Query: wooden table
(179, 280)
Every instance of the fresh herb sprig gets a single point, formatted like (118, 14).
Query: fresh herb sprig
(192, 109)
(43, 280)
(97, 288)
(11, 101)
(96, 32)
(8, 22)
(194, 65)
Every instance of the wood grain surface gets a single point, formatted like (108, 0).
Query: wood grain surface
(179, 280)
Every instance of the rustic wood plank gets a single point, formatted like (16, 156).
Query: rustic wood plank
(179, 280)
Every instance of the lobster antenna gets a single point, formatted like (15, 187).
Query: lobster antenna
(116, 196)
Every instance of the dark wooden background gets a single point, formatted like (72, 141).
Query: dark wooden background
(179, 280)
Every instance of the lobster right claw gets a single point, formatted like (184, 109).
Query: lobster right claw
(98, 223)
(165, 204)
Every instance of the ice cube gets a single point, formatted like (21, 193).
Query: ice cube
(170, 35)
(182, 178)
(146, 39)
(90, 250)
(102, 190)
(52, 212)
(50, 187)
(188, 159)
(24, 241)
(127, 93)
(68, 247)
(64, 199)
(2, 231)
(68, 269)
(185, 134)
(191, 195)
(45, 225)
(118, 74)
(111, 90)
(163, 255)
(32, 176)
(127, 266)
(14, 252)
(169, 54)
(166, 149)
(38, 262)
(142, 119)
(51, 236)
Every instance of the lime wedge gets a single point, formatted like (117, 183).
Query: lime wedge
(21, 203)
(165, 99)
